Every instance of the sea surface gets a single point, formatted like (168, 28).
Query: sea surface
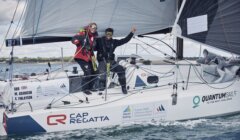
(219, 128)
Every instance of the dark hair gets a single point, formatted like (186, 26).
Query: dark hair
(205, 51)
(109, 30)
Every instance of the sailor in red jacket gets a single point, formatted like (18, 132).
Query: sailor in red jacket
(85, 42)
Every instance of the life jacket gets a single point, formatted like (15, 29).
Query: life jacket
(85, 42)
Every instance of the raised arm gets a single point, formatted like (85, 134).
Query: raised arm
(127, 38)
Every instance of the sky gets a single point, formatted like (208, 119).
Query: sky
(7, 8)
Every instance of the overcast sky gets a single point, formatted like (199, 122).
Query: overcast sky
(7, 8)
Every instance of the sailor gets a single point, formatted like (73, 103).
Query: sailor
(211, 58)
(106, 46)
(207, 57)
(85, 40)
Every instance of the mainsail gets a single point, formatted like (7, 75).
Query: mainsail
(60, 19)
(213, 22)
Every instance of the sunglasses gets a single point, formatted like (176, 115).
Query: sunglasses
(109, 33)
(94, 27)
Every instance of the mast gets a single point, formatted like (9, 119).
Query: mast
(179, 41)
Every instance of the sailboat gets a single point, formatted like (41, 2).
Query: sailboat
(173, 90)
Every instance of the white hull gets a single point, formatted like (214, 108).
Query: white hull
(150, 103)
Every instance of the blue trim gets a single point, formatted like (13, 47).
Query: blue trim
(139, 82)
(23, 125)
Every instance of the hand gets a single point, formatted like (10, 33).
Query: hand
(133, 30)
(75, 42)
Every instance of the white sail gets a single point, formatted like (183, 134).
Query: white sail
(169, 91)
(66, 17)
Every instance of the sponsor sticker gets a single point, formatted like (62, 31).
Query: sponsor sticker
(214, 98)
(219, 97)
(144, 112)
(75, 118)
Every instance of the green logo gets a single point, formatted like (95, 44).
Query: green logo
(196, 101)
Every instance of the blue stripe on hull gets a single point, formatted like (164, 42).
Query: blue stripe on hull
(23, 125)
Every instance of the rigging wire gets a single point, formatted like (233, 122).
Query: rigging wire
(17, 27)
(198, 74)
(145, 49)
(19, 21)
(71, 59)
(164, 75)
(10, 26)
(12, 21)
(165, 54)
(146, 69)
(159, 41)
(128, 95)
(105, 103)
(115, 8)
(86, 83)
(95, 79)
(169, 55)
(94, 9)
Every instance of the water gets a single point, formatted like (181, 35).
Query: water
(219, 128)
(207, 129)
